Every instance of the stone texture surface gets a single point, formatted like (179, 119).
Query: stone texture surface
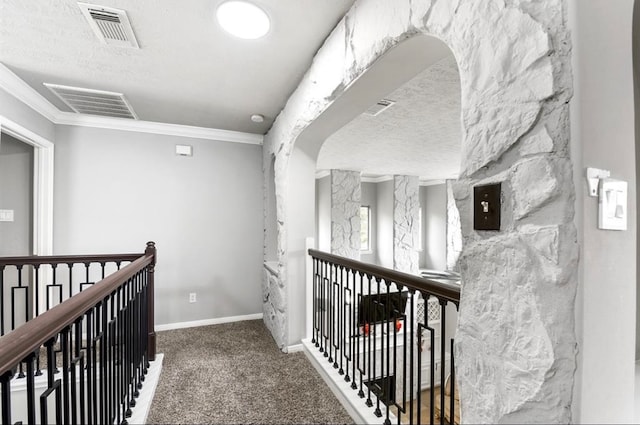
(454, 232)
(345, 213)
(515, 346)
(406, 204)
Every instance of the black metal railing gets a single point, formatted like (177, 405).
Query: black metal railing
(85, 359)
(388, 333)
(31, 285)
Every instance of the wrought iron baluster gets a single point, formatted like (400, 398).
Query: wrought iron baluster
(5, 396)
(2, 300)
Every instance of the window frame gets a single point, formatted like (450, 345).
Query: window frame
(368, 249)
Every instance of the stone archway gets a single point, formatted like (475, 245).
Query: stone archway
(516, 342)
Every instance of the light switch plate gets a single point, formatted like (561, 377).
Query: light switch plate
(612, 205)
(486, 207)
(6, 215)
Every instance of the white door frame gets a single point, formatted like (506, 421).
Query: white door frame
(42, 184)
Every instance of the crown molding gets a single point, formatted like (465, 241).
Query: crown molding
(431, 182)
(16, 87)
(22, 91)
(95, 121)
(379, 179)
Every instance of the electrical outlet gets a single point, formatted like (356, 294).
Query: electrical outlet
(192, 297)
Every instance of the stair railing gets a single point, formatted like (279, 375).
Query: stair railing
(93, 348)
(386, 332)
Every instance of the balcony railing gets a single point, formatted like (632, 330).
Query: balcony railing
(390, 335)
(83, 360)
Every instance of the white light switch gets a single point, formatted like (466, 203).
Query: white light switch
(6, 215)
(612, 205)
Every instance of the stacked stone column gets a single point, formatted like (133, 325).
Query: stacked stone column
(406, 205)
(345, 213)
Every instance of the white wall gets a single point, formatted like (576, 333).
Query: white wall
(434, 230)
(602, 126)
(116, 190)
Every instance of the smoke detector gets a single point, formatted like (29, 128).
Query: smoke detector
(379, 107)
(94, 102)
(110, 25)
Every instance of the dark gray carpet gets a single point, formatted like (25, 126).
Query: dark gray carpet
(234, 373)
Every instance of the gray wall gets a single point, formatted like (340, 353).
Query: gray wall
(16, 237)
(636, 90)
(433, 200)
(384, 224)
(16, 193)
(116, 190)
(23, 115)
(369, 197)
(323, 214)
(602, 127)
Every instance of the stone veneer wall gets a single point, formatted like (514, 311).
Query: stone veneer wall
(454, 232)
(515, 345)
(406, 205)
(345, 213)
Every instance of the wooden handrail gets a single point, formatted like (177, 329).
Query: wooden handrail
(28, 338)
(34, 260)
(448, 291)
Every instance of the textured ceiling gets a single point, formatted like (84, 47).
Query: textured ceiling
(420, 135)
(187, 71)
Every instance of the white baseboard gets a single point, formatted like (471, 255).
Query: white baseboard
(143, 404)
(207, 322)
(295, 348)
(354, 405)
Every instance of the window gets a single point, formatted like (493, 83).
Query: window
(365, 228)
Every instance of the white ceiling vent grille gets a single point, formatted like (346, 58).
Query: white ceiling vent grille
(94, 102)
(380, 106)
(111, 25)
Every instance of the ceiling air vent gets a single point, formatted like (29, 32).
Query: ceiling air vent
(94, 102)
(111, 25)
(380, 106)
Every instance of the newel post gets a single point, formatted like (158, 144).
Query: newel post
(151, 251)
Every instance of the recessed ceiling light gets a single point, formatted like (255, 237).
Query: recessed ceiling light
(243, 19)
(257, 118)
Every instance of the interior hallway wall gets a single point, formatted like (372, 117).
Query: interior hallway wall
(16, 237)
(16, 193)
(116, 190)
(434, 215)
(369, 199)
(602, 127)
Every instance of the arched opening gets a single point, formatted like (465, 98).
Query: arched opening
(514, 133)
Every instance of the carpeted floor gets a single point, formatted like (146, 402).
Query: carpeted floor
(234, 373)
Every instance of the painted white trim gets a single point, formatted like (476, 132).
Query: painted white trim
(95, 121)
(354, 405)
(309, 243)
(140, 412)
(294, 348)
(380, 179)
(16, 87)
(431, 182)
(322, 174)
(207, 322)
(42, 182)
(22, 91)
